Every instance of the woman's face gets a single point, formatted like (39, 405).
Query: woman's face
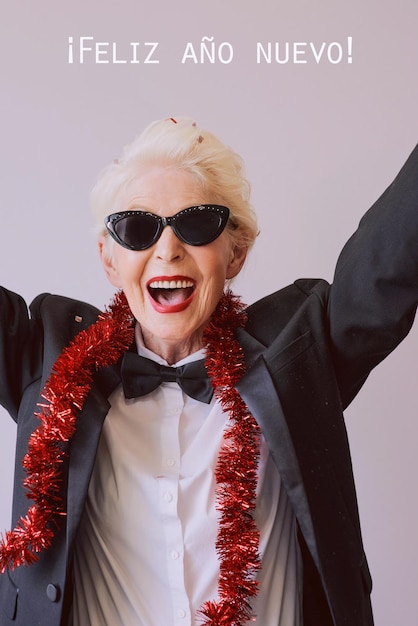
(172, 319)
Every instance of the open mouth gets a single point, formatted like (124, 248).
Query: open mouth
(171, 295)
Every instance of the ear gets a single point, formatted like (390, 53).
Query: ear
(238, 256)
(108, 262)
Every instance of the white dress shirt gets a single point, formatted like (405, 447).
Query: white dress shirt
(145, 553)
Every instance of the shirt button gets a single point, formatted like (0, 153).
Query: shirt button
(174, 555)
(168, 497)
(171, 462)
(181, 613)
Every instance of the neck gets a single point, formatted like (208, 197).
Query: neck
(172, 351)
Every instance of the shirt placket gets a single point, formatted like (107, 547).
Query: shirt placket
(170, 466)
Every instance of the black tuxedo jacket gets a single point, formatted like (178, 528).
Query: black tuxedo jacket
(309, 349)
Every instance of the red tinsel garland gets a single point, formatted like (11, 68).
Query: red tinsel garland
(65, 392)
(236, 472)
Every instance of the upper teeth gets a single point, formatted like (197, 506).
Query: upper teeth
(170, 284)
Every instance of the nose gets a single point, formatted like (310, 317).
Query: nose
(169, 248)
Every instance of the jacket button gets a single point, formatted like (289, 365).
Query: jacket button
(53, 592)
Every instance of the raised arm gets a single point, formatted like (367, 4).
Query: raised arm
(375, 290)
(20, 347)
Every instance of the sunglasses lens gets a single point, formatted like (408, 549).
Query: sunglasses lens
(201, 225)
(136, 231)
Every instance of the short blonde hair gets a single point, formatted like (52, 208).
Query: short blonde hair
(181, 143)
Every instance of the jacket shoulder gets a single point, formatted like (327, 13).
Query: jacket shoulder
(52, 309)
(270, 315)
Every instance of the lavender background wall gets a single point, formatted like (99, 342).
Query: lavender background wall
(322, 135)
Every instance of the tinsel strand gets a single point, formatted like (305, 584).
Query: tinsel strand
(236, 473)
(64, 393)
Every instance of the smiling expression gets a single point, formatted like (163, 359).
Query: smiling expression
(172, 287)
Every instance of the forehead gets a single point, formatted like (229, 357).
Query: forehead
(162, 189)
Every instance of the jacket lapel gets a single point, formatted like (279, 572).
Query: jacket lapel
(84, 446)
(257, 390)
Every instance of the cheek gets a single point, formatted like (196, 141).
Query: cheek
(215, 258)
(129, 267)
(214, 271)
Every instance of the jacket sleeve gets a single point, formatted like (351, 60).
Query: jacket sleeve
(374, 294)
(20, 350)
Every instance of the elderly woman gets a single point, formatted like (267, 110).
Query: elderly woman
(188, 461)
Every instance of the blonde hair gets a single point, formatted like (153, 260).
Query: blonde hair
(181, 143)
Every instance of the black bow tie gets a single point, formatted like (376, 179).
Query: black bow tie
(141, 376)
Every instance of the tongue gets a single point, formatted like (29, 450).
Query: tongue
(171, 296)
